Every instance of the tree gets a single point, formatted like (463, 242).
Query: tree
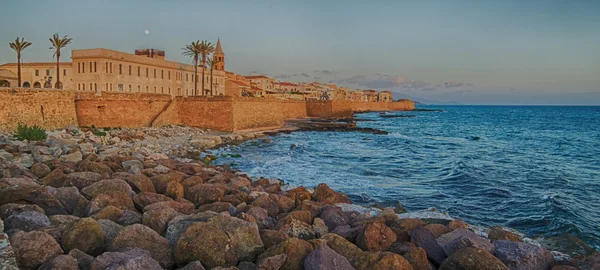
(57, 44)
(19, 46)
(205, 49)
(193, 51)
(212, 64)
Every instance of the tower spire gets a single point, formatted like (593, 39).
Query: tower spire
(219, 49)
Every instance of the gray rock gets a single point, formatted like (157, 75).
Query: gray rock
(423, 238)
(132, 259)
(84, 260)
(26, 160)
(333, 217)
(128, 165)
(73, 157)
(27, 221)
(73, 202)
(60, 262)
(83, 179)
(462, 238)
(8, 259)
(110, 230)
(179, 224)
(523, 256)
(161, 169)
(323, 258)
(195, 265)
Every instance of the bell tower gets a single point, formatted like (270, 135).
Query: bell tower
(219, 56)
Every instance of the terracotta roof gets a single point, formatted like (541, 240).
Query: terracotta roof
(256, 88)
(238, 83)
(287, 84)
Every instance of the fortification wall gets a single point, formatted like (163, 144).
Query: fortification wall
(119, 109)
(319, 108)
(345, 108)
(50, 109)
(203, 112)
(261, 113)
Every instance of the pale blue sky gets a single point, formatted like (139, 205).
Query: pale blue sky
(473, 52)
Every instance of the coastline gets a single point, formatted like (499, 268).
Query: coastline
(111, 162)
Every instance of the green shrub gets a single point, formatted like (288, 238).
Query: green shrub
(106, 129)
(100, 133)
(33, 133)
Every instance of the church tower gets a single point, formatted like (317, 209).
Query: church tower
(218, 55)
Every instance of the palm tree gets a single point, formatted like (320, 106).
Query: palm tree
(205, 49)
(212, 63)
(19, 46)
(57, 44)
(193, 51)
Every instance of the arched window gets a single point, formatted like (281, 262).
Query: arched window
(4, 83)
(37, 85)
(58, 85)
(47, 84)
(26, 85)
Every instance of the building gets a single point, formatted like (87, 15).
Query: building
(370, 95)
(236, 88)
(38, 75)
(262, 82)
(385, 96)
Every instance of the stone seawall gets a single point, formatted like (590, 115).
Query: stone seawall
(54, 109)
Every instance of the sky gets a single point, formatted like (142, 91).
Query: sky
(469, 52)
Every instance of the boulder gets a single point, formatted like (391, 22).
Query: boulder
(499, 233)
(86, 235)
(204, 193)
(96, 167)
(192, 181)
(319, 227)
(84, 261)
(402, 247)
(437, 229)
(347, 232)
(107, 186)
(245, 234)
(129, 164)
(261, 216)
(457, 224)
(381, 261)
(284, 203)
(110, 230)
(216, 207)
(298, 229)
(110, 212)
(521, 255)
(82, 179)
(140, 183)
(13, 208)
(74, 157)
(375, 237)
(181, 207)
(423, 238)
(299, 194)
(467, 241)
(313, 207)
(55, 178)
(174, 190)
(147, 198)
(323, 257)
(333, 217)
(40, 170)
(296, 250)
(472, 258)
(60, 262)
(131, 259)
(8, 259)
(73, 202)
(34, 248)
(117, 199)
(179, 224)
(158, 219)
(162, 180)
(26, 221)
(192, 246)
(342, 246)
(404, 227)
(195, 265)
(130, 217)
(327, 195)
(272, 238)
(140, 236)
(264, 201)
(273, 262)
(417, 257)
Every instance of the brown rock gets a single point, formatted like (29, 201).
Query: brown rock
(60, 262)
(402, 248)
(323, 257)
(158, 220)
(130, 217)
(34, 248)
(181, 207)
(204, 193)
(381, 261)
(84, 261)
(272, 238)
(192, 181)
(97, 167)
(195, 265)
(216, 207)
(426, 240)
(40, 170)
(147, 198)
(192, 246)
(73, 202)
(12, 208)
(162, 180)
(174, 190)
(265, 202)
(55, 178)
(299, 194)
(437, 229)
(110, 212)
(107, 187)
(261, 216)
(327, 195)
(342, 246)
(236, 198)
(499, 233)
(417, 257)
(272, 263)
(313, 207)
(82, 179)
(298, 229)
(457, 224)
(375, 237)
(472, 258)
(118, 199)
(403, 228)
(131, 259)
(85, 235)
(284, 203)
(296, 250)
(245, 234)
(140, 183)
(140, 236)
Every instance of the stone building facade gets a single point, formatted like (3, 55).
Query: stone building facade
(38, 75)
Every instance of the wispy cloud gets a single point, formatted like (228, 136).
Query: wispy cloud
(316, 78)
(324, 72)
(285, 76)
(457, 84)
(305, 75)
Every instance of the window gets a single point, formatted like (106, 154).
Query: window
(146, 72)
(130, 88)
(162, 74)
(110, 67)
(106, 87)
(186, 77)
(95, 87)
(106, 67)
(169, 75)
(83, 68)
(111, 87)
(120, 87)
(64, 72)
(78, 67)
(162, 90)
(154, 73)
(147, 89)
(78, 86)
(95, 70)
(129, 69)
(138, 71)
(91, 70)
(120, 69)
(154, 89)
(169, 90)
(83, 86)
(37, 72)
(91, 88)
(139, 89)
(47, 72)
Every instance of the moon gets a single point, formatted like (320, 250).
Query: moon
(146, 32)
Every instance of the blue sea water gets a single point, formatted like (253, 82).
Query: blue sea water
(532, 168)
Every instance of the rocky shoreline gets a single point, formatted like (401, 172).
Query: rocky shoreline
(143, 199)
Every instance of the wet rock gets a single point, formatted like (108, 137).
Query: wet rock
(499, 233)
(147, 198)
(34, 248)
(404, 227)
(140, 183)
(296, 250)
(204, 194)
(375, 237)
(568, 244)
(158, 219)
(417, 257)
(192, 246)
(521, 255)
(26, 221)
(60, 262)
(327, 195)
(132, 259)
(13, 208)
(120, 200)
(84, 261)
(40, 170)
(140, 236)
(333, 217)
(323, 257)
(457, 224)
(110, 230)
(107, 186)
(473, 258)
(86, 235)
(423, 238)
(437, 229)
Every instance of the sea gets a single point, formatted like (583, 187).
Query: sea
(535, 169)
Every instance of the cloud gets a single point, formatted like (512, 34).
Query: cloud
(285, 76)
(255, 72)
(512, 89)
(380, 81)
(457, 84)
(324, 72)
(317, 78)
(305, 75)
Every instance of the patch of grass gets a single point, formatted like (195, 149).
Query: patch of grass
(33, 133)
(100, 133)
(106, 129)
